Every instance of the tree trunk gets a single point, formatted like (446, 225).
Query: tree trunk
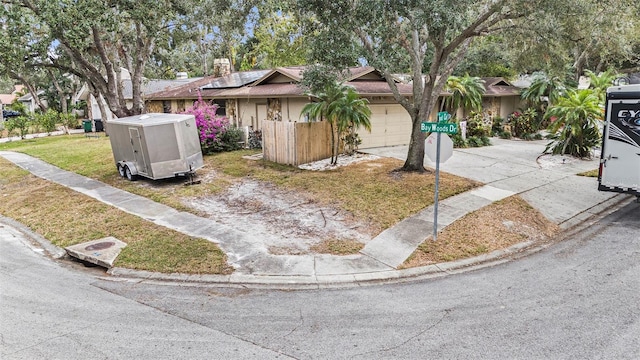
(415, 155)
(34, 93)
(63, 98)
(334, 153)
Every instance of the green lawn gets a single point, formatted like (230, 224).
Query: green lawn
(373, 191)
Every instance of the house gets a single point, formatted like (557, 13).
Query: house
(149, 86)
(500, 98)
(7, 99)
(249, 97)
(30, 103)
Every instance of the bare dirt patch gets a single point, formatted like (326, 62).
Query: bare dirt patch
(287, 221)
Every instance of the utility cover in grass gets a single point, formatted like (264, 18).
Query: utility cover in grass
(102, 252)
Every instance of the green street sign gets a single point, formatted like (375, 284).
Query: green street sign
(445, 128)
(443, 116)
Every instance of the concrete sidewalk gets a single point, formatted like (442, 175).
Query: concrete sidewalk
(507, 168)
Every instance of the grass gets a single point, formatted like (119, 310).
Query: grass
(66, 217)
(372, 191)
(504, 223)
(591, 173)
(338, 247)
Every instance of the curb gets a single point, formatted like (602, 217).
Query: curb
(514, 252)
(53, 251)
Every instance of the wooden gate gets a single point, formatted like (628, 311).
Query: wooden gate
(294, 143)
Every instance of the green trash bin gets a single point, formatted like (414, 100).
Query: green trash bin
(87, 126)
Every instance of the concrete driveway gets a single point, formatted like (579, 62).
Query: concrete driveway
(549, 183)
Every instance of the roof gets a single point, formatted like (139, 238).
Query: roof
(155, 85)
(7, 99)
(499, 86)
(379, 88)
(29, 97)
(235, 80)
(285, 81)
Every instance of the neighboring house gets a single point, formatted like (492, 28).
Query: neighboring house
(249, 97)
(30, 103)
(500, 98)
(7, 99)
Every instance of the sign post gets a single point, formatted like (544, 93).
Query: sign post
(442, 126)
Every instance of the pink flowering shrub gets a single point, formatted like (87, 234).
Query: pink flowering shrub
(216, 132)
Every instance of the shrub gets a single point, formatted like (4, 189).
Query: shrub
(458, 141)
(20, 123)
(476, 127)
(213, 128)
(524, 123)
(351, 141)
(576, 146)
(255, 139)
(47, 120)
(475, 141)
(575, 123)
(228, 139)
(496, 127)
(69, 121)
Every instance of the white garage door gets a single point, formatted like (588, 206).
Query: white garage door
(390, 125)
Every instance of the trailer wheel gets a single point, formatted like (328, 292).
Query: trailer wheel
(121, 170)
(128, 174)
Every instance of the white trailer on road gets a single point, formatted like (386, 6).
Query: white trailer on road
(620, 157)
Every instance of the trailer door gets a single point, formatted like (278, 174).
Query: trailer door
(138, 155)
(620, 158)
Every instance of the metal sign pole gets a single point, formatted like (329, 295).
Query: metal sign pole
(435, 202)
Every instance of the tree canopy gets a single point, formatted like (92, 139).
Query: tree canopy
(427, 39)
(103, 42)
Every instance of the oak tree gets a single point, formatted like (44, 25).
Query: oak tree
(426, 38)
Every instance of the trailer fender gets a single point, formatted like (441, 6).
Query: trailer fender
(131, 165)
(127, 169)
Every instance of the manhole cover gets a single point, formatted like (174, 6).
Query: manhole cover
(100, 246)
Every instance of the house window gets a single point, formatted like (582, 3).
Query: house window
(166, 106)
(222, 106)
(181, 107)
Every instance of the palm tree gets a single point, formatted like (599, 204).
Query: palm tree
(575, 123)
(600, 82)
(325, 108)
(544, 90)
(352, 112)
(466, 93)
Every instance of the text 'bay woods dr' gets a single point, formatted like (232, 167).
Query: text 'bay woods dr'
(443, 147)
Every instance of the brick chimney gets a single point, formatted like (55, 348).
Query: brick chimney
(221, 67)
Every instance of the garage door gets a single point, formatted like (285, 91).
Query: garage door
(390, 125)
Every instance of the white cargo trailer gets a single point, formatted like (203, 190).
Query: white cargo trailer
(156, 146)
(620, 157)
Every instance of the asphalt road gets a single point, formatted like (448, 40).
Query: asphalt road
(579, 298)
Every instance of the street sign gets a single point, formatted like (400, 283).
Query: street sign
(438, 148)
(445, 128)
(443, 116)
(431, 147)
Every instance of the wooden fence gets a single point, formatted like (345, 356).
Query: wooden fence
(294, 143)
